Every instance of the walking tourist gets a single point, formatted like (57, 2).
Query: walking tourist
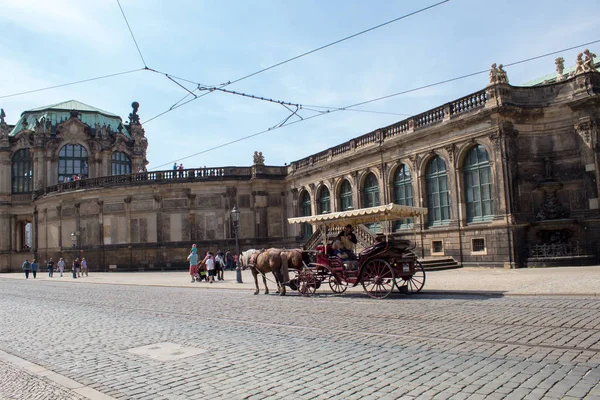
(219, 265)
(76, 266)
(26, 268)
(193, 259)
(229, 260)
(61, 266)
(84, 267)
(34, 268)
(209, 261)
(50, 266)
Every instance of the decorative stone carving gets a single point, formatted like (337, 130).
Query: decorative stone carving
(588, 63)
(413, 161)
(258, 158)
(450, 149)
(552, 208)
(231, 192)
(134, 118)
(586, 129)
(2, 116)
(560, 67)
(497, 74)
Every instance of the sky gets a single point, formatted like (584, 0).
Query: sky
(48, 43)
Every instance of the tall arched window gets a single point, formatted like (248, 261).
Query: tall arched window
(323, 201)
(121, 164)
(22, 172)
(478, 185)
(403, 194)
(371, 191)
(371, 198)
(72, 161)
(305, 211)
(438, 195)
(345, 195)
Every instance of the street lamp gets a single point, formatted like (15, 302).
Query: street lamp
(235, 220)
(74, 244)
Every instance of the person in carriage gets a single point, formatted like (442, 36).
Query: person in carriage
(347, 238)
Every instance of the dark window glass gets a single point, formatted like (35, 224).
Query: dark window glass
(305, 211)
(72, 160)
(438, 196)
(324, 201)
(22, 172)
(345, 196)
(403, 194)
(477, 174)
(121, 164)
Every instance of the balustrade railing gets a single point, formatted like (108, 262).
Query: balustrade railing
(199, 174)
(468, 103)
(463, 105)
(429, 117)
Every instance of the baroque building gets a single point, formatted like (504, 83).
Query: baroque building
(508, 174)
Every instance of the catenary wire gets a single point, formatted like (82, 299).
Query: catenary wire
(179, 103)
(132, 35)
(72, 83)
(332, 110)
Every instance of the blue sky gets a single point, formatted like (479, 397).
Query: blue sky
(45, 43)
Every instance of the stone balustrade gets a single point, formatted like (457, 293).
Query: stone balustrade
(464, 105)
(154, 177)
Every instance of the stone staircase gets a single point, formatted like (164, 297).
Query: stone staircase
(439, 264)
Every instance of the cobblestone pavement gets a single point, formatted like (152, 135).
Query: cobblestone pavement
(268, 347)
(15, 383)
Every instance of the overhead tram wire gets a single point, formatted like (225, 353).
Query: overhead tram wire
(330, 111)
(72, 83)
(132, 35)
(222, 85)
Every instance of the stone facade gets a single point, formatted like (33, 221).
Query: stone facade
(508, 174)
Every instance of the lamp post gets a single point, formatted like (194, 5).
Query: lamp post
(235, 220)
(74, 245)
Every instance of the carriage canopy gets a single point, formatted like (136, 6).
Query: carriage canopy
(388, 212)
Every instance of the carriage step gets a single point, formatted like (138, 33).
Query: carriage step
(439, 264)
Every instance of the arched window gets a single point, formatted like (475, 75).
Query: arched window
(345, 195)
(371, 198)
(403, 194)
(438, 195)
(371, 191)
(22, 172)
(121, 164)
(478, 185)
(305, 211)
(324, 201)
(72, 162)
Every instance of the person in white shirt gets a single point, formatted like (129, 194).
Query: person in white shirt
(209, 261)
(61, 266)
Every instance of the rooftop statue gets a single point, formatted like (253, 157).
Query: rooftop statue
(258, 158)
(588, 64)
(560, 67)
(2, 116)
(579, 64)
(497, 74)
(134, 118)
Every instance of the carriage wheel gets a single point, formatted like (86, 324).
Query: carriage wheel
(307, 283)
(413, 284)
(378, 278)
(337, 284)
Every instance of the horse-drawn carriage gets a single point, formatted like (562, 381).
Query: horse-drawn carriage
(386, 264)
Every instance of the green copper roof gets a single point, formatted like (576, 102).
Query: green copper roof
(551, 78)
(60, 112)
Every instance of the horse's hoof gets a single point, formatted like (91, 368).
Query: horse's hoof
(282, 294)
(266, 292)
(256, 292)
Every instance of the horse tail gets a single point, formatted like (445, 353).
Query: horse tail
(285, 273)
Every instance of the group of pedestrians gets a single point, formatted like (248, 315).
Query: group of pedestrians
(79, 268)
(211, 267)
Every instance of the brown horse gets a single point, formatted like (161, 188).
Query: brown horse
(265, 261)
